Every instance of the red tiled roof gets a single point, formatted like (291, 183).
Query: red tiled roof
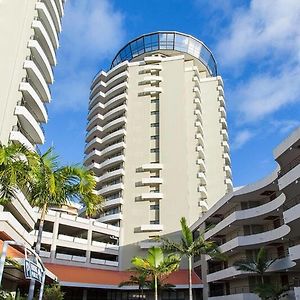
(11, 251)
(108, 277)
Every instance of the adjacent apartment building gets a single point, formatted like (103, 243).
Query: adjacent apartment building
(264, 214)
(157, 138)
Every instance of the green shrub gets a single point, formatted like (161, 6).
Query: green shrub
(53, 292)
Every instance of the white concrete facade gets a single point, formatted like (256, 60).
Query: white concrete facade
(157, 140)
(264, 214)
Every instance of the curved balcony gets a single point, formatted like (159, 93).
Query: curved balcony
(200, 151)
(256, 239)
(112, 203)
(113, 148)
(41, 59)
(203, 204)
(110, 189)
(94, 143)
(94, 131)
(112, 161)
(201, 164)
(228, 172)
(31, 97)
(229, 183)
(226, 146)
(246, 214)
(224, 133)
(95, 110)
(116, 90)
(29, 124)
(44, 40)
(92, 156)
(203, 192)
(222, 111)
(223, 123)
(113, 113)
(110, 175)
(222, 101)
(17, 136)
(38, 80)
(291, 214)
(294, 252)
(201, 176)
(153, 59)
(111, 218)
(199, 127)
(99, 87)
(114, 135)
(98, 96)
(115, 123)
(197, 92)
(94, 121)
(46, 19)
(54, 14)
(197, 101)
(116, 101)
(227, 159)
(200, 139)
(60, 7)
(220, 89)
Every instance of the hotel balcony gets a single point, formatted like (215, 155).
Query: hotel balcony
(203, 204)
(115, 91)
(97, 261)
(38, 80)
(33, 100)
(110, 188)
(151, 90)
(99, 87)
(223, 122)
(202, 178)
(113, 113)
(113, 136)
(226, 146)
(46, 19)
(197, 92)
(291, 175)
(200, 139)
(92, 156)
(151, 227)
(60, 7)
(29, 124)
(151, 68)
(112, 149)
(152, 167)
(113, 203)
(94, 143)
(44, 40)
(200, 151)
(108, 163)
(293, 212)
(294, 252)
(94, 122)
(151, 181)
(41, 59)
(153, 59)
(220, 81)
(52, 8)
(99, 97)
(197, 101)
(227, 159)
(93, 132)
(17, 136)
(110, 175)
(203, 192)
(272, 235)
(220, 90)
(201, 164)
(151, 79)
(111, 217)
(222, 111)
(228, 172)
(255, 212)
(221, 100)
(114, 124)
(151, 196)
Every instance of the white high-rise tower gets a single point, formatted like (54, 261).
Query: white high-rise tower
(157, 137)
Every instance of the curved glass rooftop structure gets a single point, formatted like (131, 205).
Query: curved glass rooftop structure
(167, 40)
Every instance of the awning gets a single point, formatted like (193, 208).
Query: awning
(99, 278)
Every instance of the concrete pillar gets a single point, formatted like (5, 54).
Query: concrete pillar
(89, 238)
(54, 238)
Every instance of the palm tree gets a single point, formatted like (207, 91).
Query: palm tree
(16, 163)
(188, 247)
(55, 185)
(271, 291)
(139, 279)
(259, 264)
(156, 265)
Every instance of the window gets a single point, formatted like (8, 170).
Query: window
(154, 150)
(155, 112)
(154, 100)
(154, 124)
(154, 222)
(154, 137)
(154, 207)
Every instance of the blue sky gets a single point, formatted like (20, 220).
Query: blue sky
(256, 44)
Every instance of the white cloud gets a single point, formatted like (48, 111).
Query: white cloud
(264, 94)
(284, 126)
(268, 28)
(241, 138)
(92, 32)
